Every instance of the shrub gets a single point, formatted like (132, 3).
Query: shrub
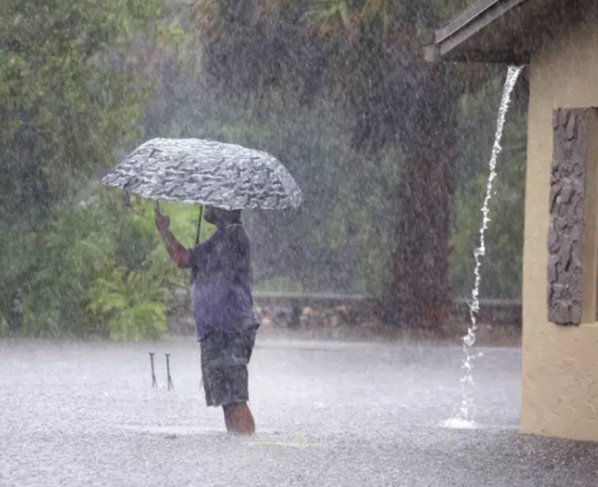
(130, 304)
(98, 268)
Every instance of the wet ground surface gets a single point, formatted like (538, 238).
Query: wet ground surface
(328, 414)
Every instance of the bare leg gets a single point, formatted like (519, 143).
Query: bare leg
(238, 419)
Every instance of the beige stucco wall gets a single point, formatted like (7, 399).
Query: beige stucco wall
(560, 364)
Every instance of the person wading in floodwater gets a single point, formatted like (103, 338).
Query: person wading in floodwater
(222, 305)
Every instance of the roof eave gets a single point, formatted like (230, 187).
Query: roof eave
(432, 54)
(447, 42)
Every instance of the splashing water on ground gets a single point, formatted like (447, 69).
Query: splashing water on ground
(464, 417)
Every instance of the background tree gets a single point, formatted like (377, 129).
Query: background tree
(68, 106)
(365, 55)
(67, 101)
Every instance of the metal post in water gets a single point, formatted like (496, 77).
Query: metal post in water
(154, 382)
(169, 378)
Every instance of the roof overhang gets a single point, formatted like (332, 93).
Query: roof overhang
(501, 31)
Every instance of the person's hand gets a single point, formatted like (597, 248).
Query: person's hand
(162, 221)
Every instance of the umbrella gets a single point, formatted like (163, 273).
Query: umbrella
(207, 172)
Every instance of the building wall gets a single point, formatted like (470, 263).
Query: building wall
(560, 363)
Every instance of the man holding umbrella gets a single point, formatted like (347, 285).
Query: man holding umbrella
(226, 178)
(223, 309)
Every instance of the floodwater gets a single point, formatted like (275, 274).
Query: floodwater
(327, 413)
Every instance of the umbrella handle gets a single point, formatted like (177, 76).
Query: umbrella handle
(157, 205)
(199, 224)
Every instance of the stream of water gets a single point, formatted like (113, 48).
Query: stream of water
(464, 416)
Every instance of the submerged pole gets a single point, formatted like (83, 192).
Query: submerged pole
(168, 377)
(154, 383)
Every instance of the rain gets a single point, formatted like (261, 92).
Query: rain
(328, 243)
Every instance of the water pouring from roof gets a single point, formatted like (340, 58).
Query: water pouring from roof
(464, 417)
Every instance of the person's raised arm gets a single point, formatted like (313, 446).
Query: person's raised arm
(179, 254)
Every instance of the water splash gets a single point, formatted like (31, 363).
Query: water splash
(464, 417)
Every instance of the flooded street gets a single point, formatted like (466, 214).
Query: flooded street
(327, 413)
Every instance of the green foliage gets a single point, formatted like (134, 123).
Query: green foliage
(66, 253)
(68, 106)
(67, 102)
(98, 268)
(130, 303)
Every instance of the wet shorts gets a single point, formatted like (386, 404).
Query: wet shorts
(224, 359)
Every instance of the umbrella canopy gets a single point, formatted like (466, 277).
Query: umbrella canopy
(208, 172)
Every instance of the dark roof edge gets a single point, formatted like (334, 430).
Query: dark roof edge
(465, 25)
